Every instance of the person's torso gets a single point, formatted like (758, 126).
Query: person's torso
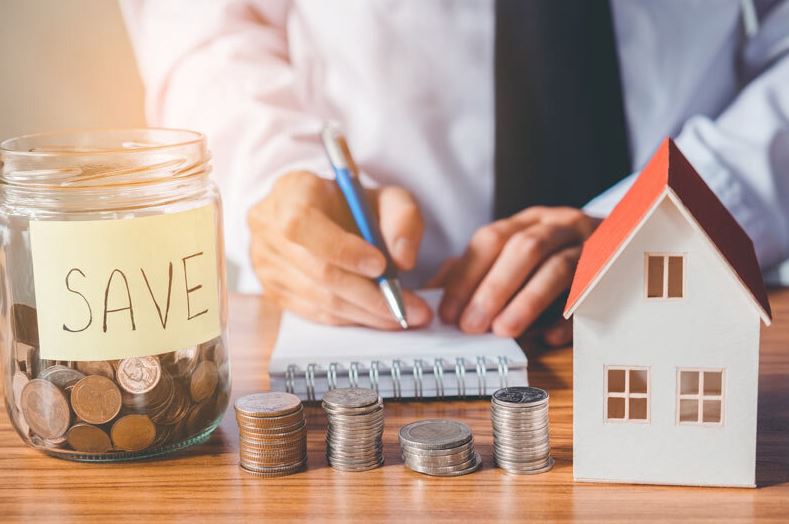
(413, 84)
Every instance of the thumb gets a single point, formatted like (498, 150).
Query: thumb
(401, 224)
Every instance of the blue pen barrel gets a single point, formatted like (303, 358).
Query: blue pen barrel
(355, 197)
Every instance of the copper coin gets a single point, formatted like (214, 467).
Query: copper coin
(45, 409)
(200, 416)
(96, 399)
(133, 432)
(139, 375)
(204, 381)
(97, 367)
(88, 438)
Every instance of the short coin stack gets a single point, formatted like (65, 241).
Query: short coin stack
(354, 440)
(442, 448)
(272, 434)
(521, 442)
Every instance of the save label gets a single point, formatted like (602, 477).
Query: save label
(110, 289)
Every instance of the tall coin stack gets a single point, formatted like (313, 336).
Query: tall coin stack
(521, 441)
(354, 440)
(272, 434)
(442, 448)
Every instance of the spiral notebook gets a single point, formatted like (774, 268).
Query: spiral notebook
(435, 362)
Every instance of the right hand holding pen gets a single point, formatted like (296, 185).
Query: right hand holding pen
(310, 259)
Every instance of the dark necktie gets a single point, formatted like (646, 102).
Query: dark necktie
(560, 125)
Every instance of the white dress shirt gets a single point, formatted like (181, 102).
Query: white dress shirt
(412, 84)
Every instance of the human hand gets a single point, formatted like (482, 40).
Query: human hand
(513, 269)
(309, 258)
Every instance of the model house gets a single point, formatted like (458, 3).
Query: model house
(667, 301)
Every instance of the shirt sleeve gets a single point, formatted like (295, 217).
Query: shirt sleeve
(743, 154)
(223, 68)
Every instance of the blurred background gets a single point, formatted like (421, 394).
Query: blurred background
(66, 64)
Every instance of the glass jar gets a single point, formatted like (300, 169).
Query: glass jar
(113, 300)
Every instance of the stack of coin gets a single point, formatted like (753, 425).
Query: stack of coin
(272, 434)
(442, 448)
(521, 442)
(354, 440)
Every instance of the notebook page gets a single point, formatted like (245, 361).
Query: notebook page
(301, 342)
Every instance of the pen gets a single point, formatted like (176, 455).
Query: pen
(347, 178)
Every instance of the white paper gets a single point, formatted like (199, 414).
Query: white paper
(301, 342)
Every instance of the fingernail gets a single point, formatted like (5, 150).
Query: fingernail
(371, 267)
(474, 318)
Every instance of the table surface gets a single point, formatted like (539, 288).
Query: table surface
(206, 483)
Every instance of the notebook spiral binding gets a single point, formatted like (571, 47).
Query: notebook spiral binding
(396, 374)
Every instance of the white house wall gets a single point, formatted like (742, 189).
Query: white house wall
(713, 326)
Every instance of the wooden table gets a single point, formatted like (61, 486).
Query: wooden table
(205, 482)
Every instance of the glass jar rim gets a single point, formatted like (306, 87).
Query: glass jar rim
(90, 158)
(194, 137)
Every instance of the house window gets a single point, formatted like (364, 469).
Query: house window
(627, 394)
(665, 276)
(700, 396)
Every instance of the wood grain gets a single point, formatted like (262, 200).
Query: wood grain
(205, 483)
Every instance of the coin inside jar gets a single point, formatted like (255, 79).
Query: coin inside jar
(88, 438)
(96, 399)
(133, 432)
(204, 381)
(97, 367)
(139, 375)
(45, 409)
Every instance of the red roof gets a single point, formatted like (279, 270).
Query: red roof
(669, 168)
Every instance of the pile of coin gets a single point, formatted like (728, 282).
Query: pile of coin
(521, 440)
(113, 407)
(272, 434)
(442, 448)
(354, 440)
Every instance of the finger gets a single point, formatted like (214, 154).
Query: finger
(418, 312)
(316, 302)
(317, 233)
(360, 291)
(551, 279)
(439, 280)
(287, 301)
(465, 276)
(523, 252)
(346, 295)
(401, 225)
(559, 334)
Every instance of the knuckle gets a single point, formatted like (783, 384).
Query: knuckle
(333, 302)
(323, 271)
(290, 221)
(528, 243)
(489, 238)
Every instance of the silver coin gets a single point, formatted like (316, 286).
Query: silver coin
(61, 376)
(441, 460)
(350, 398)
(513, 468)
(434, 434)
(476, 463)
(520, 456)
(520, 395)
(438, 452)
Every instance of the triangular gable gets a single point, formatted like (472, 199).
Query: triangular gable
(669, 172)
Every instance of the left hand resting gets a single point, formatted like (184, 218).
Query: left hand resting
(512, 270)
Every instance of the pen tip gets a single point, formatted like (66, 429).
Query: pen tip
(403, 323)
